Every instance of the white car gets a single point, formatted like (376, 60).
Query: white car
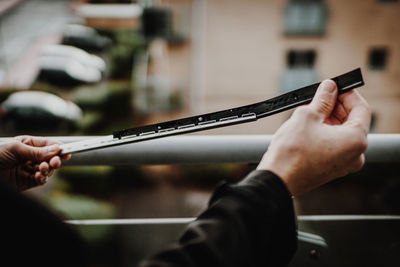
(71, 52)
(63, 70)
(84, 37)
(35, 110)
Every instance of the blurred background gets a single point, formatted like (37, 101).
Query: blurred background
(85, 68)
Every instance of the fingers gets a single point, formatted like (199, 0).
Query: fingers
(36, 158)
(47, 168)
(36, 140)
(44, 168)
(66, 157)
(37, 154)
(340, 112)
(359, 113)
(31, 174)
(40, 142)
(27, 178)
(325, 99)
(55, 162)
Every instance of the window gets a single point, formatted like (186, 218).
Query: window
(377, 58)
(300, 70)
(301, 59)
(305, 17)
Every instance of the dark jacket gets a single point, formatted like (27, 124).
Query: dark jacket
(247, 224)
(31, 235)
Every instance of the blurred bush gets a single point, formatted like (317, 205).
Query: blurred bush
(91, 122)
(102, 180)
(87, 179)
(75, 207)
(121, 56)
(107, 106)
(111, 98)
(176, 100)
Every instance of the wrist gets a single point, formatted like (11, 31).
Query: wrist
(267, 164)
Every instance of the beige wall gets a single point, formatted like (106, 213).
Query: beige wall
(244, 55)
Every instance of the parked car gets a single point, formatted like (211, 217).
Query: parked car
(38, 112)
(71, 52)
(66, 71)
(84, 37)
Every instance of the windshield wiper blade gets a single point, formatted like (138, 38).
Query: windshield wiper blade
(292, 99)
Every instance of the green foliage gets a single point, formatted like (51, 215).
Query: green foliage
(104, 104)
(101, 180)
(121, 56)
(75, 207)
(91, 122)
(176, 101)
(111, 98)
(87, 179)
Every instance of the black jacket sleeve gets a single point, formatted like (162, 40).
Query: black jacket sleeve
(251, 223)
(33, 236)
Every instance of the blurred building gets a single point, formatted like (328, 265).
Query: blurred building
(221, 53)
(247, 51)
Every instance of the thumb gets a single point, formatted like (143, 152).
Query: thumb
(36, 154)
(325, 98)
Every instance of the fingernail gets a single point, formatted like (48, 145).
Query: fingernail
(328, 86)
(53, 148)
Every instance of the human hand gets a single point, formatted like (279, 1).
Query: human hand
(28, 161)
(321, 141)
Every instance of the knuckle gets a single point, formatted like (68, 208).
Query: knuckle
(324, 105)
(358, 164)
(358, 141)
(364, 144)
(360, 144)
(22, 138)
(37, 155)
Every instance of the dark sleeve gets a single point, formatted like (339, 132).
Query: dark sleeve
(31, 235)
(247, 224)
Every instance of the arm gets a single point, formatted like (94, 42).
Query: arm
(252, 223)
(248, 224)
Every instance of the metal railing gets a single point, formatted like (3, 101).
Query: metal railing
(199, 149)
